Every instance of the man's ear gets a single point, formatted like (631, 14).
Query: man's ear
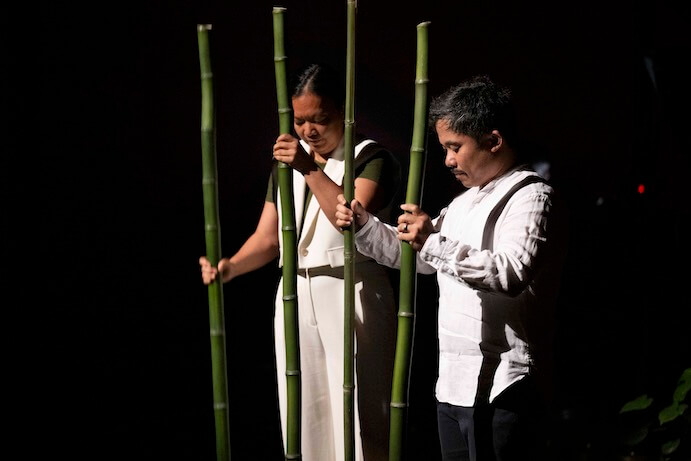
(495, 140)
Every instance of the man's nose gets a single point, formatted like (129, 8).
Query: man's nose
(449, 159)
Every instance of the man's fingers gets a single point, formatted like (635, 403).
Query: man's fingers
(410, 208)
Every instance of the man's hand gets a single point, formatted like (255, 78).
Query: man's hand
(345, 214)
(414, 226)
(209, 272)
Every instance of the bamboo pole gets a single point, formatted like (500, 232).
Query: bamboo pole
(349, 244)
(408, 280)
(213, 247)
(290, 300)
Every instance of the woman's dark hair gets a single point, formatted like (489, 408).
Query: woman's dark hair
(322, 80)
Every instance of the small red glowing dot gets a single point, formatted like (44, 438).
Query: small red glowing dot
(641, 188)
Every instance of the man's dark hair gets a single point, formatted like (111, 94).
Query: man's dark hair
(475, 107)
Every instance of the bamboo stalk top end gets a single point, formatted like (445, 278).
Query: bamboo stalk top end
(202, 27)
(423, 24)
(279, 9)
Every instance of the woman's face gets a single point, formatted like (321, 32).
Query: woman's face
(318, 122)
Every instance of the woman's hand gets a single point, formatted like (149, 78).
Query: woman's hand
(288, 150)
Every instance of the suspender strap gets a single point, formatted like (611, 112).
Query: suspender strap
(488, 235)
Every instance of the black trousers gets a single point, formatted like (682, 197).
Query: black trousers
(509, 429)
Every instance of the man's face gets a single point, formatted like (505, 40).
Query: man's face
(472, 163)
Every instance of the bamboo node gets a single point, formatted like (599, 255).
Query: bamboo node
(207, 75)
(406, 314)
(417, 149)
(398, 405)
(421, 80)
(280, 58)
(292, 372)
(220, 406)
(348, 387)
(211, 227)
(285, 110)
(289, 297)
(207, 181)
(288, 228)
(217, 332)
(290, 456)
(349, 122)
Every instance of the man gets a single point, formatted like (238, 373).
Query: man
(497, 250)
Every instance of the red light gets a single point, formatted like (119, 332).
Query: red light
(641, 188)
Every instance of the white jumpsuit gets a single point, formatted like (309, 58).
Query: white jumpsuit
(320, 291)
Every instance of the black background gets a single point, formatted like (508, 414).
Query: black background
(116, 204)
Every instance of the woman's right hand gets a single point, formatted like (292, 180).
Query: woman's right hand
(209, 272)
(288, 150)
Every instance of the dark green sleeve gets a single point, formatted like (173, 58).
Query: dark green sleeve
(373, 169)
(381, 167)
(272, 187)
(384, 169)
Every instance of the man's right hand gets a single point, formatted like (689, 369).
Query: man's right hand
(344, 214)
(209, 272)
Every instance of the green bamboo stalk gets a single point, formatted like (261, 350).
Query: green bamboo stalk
(349, 244)
(290, 299)
(213, 247)
(408, 280)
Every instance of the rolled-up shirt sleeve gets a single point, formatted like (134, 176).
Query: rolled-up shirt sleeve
(379, 241)
(505, 271)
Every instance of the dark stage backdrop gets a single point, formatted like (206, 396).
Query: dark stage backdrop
(601, 89)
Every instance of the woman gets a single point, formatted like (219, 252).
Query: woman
(317, 161)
